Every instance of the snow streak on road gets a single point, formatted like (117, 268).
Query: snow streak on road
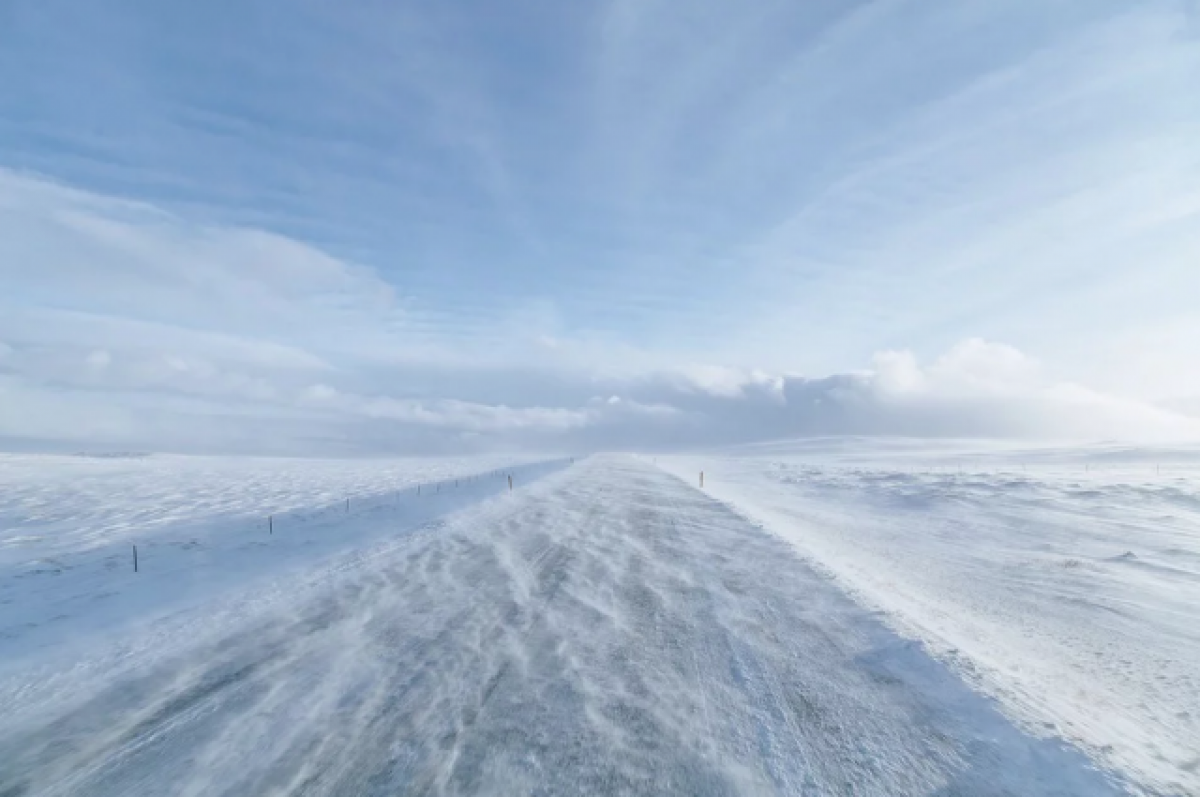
(608, 630)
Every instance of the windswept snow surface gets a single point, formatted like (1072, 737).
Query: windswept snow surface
(203, 526)
(607, 629)
(52, 504)
(1064, 582)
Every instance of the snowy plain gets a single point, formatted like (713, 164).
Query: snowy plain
(1064, 582)
(605, 628)
(203, 527)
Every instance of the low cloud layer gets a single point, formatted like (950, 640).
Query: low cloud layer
(157, 400)
(126, 327)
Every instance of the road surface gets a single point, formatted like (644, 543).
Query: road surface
(607, 630)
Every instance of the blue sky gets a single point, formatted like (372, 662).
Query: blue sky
(394, 224)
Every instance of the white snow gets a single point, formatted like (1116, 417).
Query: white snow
(1065, 582)
(70, 502)
(605, 629)
(68, 525)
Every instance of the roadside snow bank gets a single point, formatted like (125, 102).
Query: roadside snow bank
(203, 526)
(1064, 582)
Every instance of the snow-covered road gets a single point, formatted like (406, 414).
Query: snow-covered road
(605, 630)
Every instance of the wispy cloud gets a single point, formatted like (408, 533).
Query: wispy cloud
(491, 221)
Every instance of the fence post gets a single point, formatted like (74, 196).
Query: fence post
(135, 568)
(270, 524)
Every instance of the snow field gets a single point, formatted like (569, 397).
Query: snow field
(1064, 582)
(606, 629)
(68, 526)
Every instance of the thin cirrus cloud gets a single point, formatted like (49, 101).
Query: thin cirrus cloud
(308, 228)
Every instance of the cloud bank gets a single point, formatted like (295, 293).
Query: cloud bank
(202, 409)
(126, 327)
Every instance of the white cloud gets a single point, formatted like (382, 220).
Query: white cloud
(600, 411)
(977, 389)
(99, 359)
(793, 186)
(897, 371)
(320, 393)
(975, 365)
(138, 329)
(796, 188)
(726, 382)
(138, 274)
(976, 378)
(971, 367)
